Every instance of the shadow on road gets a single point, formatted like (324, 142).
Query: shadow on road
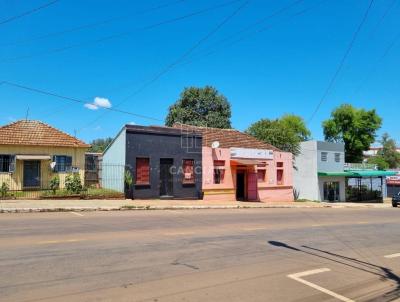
(383, 272)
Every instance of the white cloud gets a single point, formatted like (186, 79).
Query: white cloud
(102, 102)
(91, 106)
(98, 103)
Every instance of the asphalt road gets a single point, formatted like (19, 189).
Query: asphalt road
(201, 255)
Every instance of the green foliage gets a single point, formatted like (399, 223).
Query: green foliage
(388, 157)
(4, 190)
(389, 151)
(200, 107)
(128, 178)
(356, 128)
(379, 161)
(100, 144)
(285, 133)
(55, 184)
(73, 183)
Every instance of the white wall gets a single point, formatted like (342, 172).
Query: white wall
(113, 164)
(330, 165)
(305, 173)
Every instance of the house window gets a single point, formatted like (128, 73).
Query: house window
(142, 171)
(279, 164)
(63, 163)
(337, 157)
(219, 171)
(7, 163)
(324, 156)
(261, 175)
(188, 171)
(279, 177)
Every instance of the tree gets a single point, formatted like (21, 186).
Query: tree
(388, 157)
(100, 144)
(379, 161)
(200, 107)
(356, 128)
(285, 133)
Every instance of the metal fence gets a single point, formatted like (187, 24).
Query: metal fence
(38, 180)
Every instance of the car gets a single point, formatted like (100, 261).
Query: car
(396, 200)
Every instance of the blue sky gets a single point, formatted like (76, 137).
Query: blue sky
(264, 73)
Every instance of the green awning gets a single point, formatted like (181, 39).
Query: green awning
(373, 173)
(347, 174)
(359, 173)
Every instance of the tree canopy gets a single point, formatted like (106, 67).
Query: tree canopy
(200, 107)
(285, 133)
(387, 157)
(100, 144)
(354, 127)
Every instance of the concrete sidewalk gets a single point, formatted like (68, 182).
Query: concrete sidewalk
(23, 206)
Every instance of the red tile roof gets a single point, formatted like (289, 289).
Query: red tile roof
(36, 133)
(227, 138)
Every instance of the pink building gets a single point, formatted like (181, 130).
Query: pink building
(236, 166)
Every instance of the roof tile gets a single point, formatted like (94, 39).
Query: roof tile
(36, 133)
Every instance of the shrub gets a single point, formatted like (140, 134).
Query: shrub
(4, 190)
(73, 183)
(55, 184)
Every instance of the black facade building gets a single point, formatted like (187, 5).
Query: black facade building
(164, 162)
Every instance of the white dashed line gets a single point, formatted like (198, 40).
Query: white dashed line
(392, 256)
(77, 214)
(298, 277)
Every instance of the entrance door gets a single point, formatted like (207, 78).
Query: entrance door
(240, 185)
(331, 191)
(252, 189)
(32, 174)
(166, 177)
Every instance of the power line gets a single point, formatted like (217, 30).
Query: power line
(250, 34)
(75, 100)
(90, 25)
(119, 35)
(29, 12)
(342, 61)
(178, 61)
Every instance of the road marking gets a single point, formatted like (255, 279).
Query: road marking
(362, 222)
(254, 229)
(392, 256)
(60, 241)
(316, 225)
(178, 233)
(77, 214)
(298, 277)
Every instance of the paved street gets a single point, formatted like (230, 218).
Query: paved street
(201, 255)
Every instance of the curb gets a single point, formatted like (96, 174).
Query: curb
(194, 207)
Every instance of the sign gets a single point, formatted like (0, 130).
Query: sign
(393, 180)
(252, 153)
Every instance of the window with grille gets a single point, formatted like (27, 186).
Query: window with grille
(7, 163)
(142, 171)
(219, 171)
(63, 163)
(337, 157)
(324, 156)
(261, 175)
(188, 171)
(279, 177)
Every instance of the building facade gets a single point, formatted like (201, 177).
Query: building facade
(321, 174)
(32, 153)
(236, 166)
(164, 163)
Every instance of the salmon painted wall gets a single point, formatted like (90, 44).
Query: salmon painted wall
(268, 190)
